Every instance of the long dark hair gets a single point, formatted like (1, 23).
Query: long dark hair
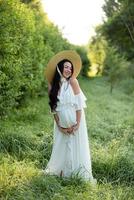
(56, 84)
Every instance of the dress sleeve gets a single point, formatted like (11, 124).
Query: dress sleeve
(80, 101)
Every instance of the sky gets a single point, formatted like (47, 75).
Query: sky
(75, 18)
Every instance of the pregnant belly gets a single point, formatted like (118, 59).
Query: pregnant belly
(67, 117)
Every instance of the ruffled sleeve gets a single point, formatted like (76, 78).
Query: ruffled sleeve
(67, 98)
(80, 101)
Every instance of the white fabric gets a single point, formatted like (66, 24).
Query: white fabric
(70, 153)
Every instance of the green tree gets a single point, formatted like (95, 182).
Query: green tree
(96, 53)
(110, 7)
(118, 26)
(82, 51)
(16, 48)
(27, 40)
(115, 66)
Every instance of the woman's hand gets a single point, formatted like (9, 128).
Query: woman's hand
(66, 130)
(69, 130)
(75, 127)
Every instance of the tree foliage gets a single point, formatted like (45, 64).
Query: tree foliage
(83, 52)
(118, 27)
(27, 40)
(115, 66)
(97, 53)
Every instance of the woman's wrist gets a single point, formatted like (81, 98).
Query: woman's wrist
(76, 126)
(58, 124)
(78, 123)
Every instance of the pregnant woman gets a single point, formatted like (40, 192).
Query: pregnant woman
(70, 153)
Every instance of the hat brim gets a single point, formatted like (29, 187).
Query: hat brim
(71, 55)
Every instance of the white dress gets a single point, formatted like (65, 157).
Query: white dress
(70, 153)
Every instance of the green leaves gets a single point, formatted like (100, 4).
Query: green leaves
(27, 41)
(118, 28)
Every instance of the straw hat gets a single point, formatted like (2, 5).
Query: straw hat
(67, 54)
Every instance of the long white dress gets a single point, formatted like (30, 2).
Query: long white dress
(70, 153)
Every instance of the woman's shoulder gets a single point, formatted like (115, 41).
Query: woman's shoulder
(73, 80)
(75, 85)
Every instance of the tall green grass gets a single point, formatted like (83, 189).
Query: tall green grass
(26, 142)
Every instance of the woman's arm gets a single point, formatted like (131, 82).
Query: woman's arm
(75, 85)
(76, 89)
(56, 119)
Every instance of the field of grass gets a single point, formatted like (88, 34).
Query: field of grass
(26, 140)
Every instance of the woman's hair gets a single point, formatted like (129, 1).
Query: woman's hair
(56, 84)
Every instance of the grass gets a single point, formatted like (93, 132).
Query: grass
(26, 137)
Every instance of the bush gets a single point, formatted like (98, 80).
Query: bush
(17, 29)
(28, 39)
(115, 66)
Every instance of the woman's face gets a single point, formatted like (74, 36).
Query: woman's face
(67, 70)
